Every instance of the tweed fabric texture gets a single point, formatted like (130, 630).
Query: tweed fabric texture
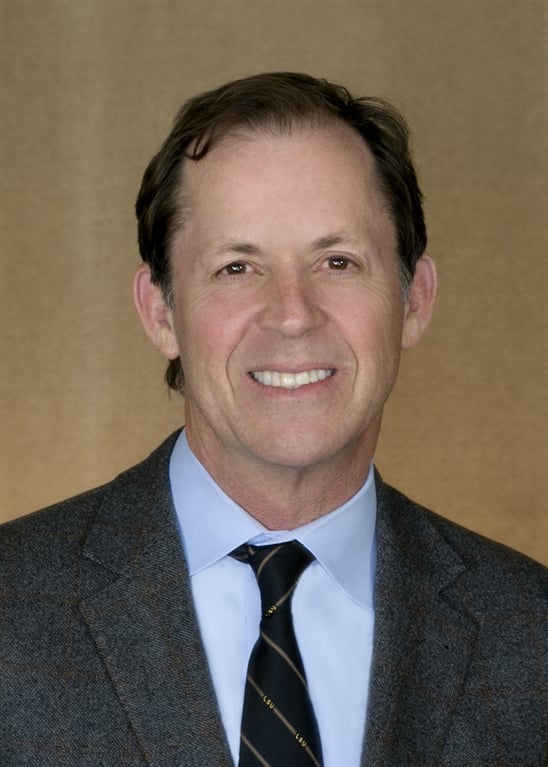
(102, 665)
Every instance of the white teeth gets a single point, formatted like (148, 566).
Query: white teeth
(290, 380)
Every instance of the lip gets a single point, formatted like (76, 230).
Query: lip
(284, 379)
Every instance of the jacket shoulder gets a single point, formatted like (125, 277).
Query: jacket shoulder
(495, 575)
(70, 519)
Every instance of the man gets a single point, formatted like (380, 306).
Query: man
(283, 240)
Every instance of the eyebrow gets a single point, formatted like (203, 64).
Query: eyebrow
(330, 240)
(246, 248)
(322, 243)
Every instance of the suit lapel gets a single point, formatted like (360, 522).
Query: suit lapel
(422, 644)
(143, 622)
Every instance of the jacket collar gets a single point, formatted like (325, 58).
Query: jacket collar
(140, 613)
(422, 643)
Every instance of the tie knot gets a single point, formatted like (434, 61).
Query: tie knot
(277, 569)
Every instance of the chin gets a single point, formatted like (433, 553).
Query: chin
(297, 453)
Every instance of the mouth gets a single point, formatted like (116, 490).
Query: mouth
(285, 380)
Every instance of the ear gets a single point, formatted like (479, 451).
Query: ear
(155, 314)
(420, 304)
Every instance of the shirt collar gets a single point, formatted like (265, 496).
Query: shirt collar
(212, 525)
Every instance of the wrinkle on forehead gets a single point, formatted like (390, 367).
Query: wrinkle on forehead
(297, 129)
(306, 127)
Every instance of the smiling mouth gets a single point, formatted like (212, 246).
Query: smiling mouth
(290, 380)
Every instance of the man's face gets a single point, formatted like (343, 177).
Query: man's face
(288, 314)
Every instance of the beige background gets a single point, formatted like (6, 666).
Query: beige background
(88, 90)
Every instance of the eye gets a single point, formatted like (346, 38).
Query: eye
(234, 269)
(338, 263)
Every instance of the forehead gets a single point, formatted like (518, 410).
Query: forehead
(272, 156)
(281, 193)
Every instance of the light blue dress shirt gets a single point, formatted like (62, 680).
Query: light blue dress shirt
(332, 605)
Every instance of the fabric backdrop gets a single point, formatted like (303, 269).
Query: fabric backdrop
(88, 90)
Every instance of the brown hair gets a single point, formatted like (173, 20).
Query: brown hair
(277, 101)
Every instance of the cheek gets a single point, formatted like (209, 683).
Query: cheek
(208, 332)
(374, 325)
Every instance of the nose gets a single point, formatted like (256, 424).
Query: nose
(291, 305)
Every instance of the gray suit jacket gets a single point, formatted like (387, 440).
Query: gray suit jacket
(101, 663)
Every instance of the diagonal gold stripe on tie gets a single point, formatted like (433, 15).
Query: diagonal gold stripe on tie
(285, 657)
(299, 740)
(267, 559)
(279, 602)
(278, 728)
(254, 751)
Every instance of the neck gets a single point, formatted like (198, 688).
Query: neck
(284, 497)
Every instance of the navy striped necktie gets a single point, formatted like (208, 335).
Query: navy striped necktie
(278, 724)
